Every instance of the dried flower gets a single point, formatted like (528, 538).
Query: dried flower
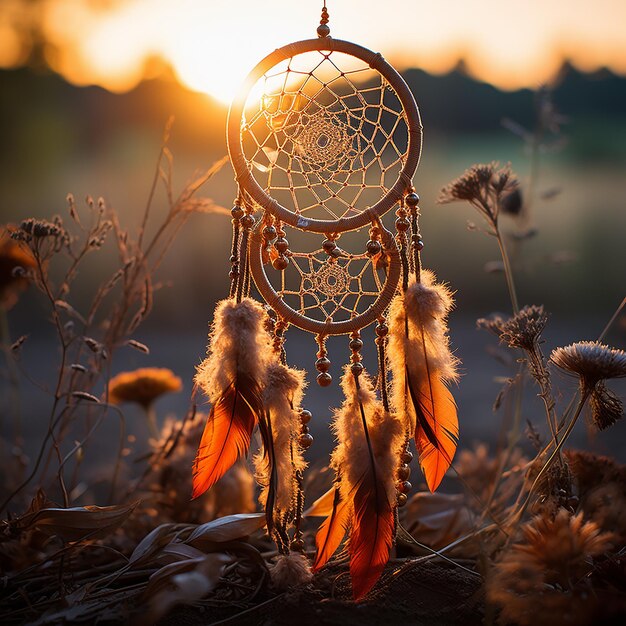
(520, 331)
(541, 579)
(591, 361)
(15, 260)
(484, 187)
(601, 487)
(594, 363)
(143, 386)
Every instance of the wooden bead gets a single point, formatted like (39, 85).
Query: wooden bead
(305, 441)
(269, 232)
(305, 416)
(401, 498)
(407, 456)
(322, 364)
(356, 344)
(402, 224)
(373, 247)
(412, 200)
(356, 369)
(247, 221)
(280, 263)
(404, 472)
(382, 330)
(328, 245)
(324, 379)
(281, 245)
(405, 486)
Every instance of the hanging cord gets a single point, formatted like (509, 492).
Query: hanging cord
(298, 543)
(382, 330)
(247, 224)
(412, 201)
(237, 213)
(402, 226)
(279, 339)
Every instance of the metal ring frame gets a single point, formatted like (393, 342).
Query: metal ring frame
(374, 311)
(247, 181)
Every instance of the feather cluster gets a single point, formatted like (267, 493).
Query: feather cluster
(422, 365)
(281, 458)
(232, 376)
(365, 461)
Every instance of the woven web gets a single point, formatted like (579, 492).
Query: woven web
(329, 289)
(324, 134)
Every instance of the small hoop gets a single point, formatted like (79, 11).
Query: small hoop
(295, 318)
(411, 157)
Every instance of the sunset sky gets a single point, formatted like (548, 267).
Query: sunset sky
(211, 44)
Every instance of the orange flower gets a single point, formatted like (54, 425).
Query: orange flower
(13, 255)
(143, 386)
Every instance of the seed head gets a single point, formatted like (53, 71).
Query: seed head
(523, 330)
(606, 407)
(591, 361)
(483, 186)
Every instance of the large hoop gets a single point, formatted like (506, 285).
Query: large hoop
(291, 316)
(410, 159)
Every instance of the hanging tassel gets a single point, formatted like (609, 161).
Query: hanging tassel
(282, 457)
(232, 376)
(422, 364)
(365, 461)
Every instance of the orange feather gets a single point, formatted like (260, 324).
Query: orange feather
(372, 534)
(331, 532)
(437, 428)
(227, 434)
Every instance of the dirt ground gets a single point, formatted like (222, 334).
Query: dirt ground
(425, 594)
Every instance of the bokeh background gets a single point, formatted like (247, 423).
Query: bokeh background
(86, 87)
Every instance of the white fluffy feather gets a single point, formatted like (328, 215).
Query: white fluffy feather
(282, 396)
(238, 342)
(424, 305)
(350, 458)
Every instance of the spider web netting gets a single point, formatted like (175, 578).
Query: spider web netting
(329, 289)
(324, 134)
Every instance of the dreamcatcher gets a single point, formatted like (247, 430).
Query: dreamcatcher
(324, 139)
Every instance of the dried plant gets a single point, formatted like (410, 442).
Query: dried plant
(541, 579)
(54, 253)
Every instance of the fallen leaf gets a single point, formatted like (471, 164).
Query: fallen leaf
(437, 519)
(83, 522)
(226, 528)
(183, 582)
(153, 542)
(177, 551)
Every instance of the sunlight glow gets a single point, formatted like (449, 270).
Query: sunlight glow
(212, 44)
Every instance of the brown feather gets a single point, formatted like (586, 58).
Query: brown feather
(437, 427)
(331, 532)
(371, 536)
(372, 530)
(228, 431)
